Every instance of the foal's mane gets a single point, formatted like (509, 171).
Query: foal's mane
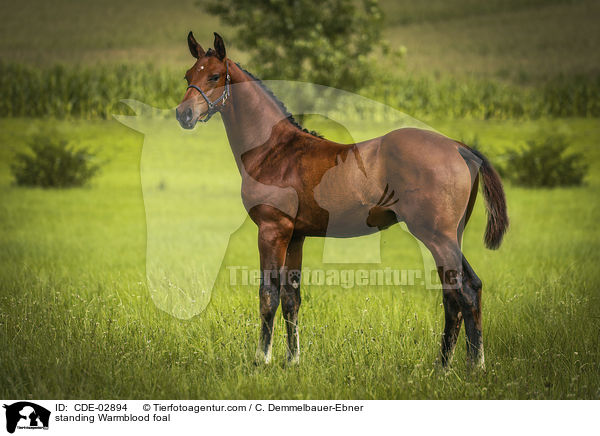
(279, 103)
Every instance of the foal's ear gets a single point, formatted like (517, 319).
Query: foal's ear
(195, 49)
(219, 46)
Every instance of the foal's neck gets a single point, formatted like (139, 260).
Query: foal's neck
(250, 115)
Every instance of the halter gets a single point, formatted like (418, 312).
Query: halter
(212, 106)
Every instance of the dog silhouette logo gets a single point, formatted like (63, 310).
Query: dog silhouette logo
(26, 415)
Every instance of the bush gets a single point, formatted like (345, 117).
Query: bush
(545, 164)
(329, 42)
(52, 163)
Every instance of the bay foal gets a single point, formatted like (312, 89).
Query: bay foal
(294, 181)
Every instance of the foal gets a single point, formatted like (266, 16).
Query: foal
(293, 182)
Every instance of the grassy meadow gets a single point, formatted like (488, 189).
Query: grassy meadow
(511, 39)
(77, 319)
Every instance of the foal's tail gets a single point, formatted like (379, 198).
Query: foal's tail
(495, 203)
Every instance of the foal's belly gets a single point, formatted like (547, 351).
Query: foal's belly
(352, 216)
(348, 200)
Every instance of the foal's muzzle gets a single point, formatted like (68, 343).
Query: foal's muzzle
(186, 117)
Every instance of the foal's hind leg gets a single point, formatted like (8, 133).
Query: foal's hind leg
(447, 256)
(471, 293)
(462, 286)
(453, 320)
(462, 292)
(462, 295)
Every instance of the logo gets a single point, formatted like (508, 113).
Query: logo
(26, 415)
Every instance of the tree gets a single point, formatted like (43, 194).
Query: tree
(328, 42)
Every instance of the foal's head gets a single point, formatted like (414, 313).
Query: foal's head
(208, 83)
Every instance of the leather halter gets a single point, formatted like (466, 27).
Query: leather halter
(212, 105)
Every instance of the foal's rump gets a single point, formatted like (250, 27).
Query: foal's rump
(436, 180)
(407, 175)
(431, 178)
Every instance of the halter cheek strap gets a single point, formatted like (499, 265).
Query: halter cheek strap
(212, 105)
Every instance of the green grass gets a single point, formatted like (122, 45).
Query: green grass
(77, 320)
(520, 41)
(501, 59)
(148, 31)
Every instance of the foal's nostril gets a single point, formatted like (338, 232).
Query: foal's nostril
(184, 116)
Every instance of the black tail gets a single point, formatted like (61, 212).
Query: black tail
(495, 203)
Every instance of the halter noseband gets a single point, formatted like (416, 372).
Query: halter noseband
(212, 106)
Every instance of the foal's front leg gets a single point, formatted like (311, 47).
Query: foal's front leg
(273, 240)
(290, 296)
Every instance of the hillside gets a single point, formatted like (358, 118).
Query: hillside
(516, 40)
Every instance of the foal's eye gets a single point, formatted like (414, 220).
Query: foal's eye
(214, 78)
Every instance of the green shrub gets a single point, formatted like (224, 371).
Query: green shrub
(51, 162)
(545, 164)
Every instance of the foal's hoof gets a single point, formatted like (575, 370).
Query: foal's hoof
(442, 362)
(440, 367)
(261, 358)
(293, 360)
(476, 364)
(476, 367)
